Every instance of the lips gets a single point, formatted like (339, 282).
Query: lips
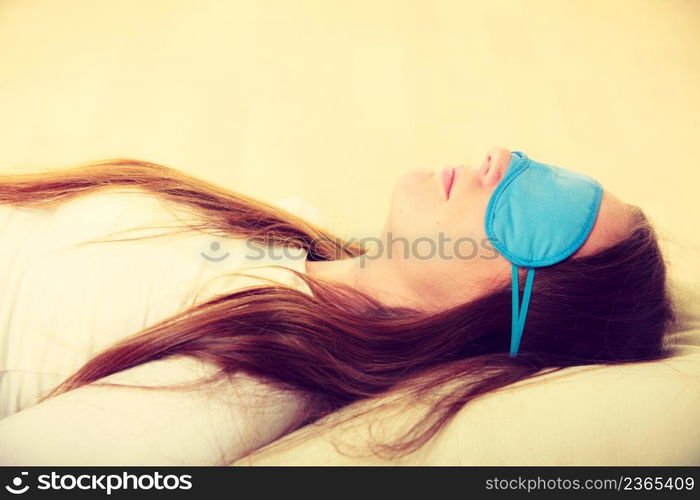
(449, 177)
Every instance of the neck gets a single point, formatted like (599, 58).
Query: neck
(376, 278)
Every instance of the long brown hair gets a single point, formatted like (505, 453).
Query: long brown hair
(342, 346)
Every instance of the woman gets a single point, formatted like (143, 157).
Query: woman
(356, 325)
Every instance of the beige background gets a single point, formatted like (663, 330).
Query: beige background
(332, 100)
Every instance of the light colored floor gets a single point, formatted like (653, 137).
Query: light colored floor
(331, 100)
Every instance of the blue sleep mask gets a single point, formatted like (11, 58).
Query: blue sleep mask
(538, 215)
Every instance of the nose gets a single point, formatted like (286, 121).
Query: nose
(495, 165)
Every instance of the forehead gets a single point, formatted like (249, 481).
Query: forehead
(613, 223)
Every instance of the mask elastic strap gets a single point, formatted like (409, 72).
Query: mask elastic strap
(518, 317)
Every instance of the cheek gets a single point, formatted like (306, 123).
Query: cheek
(419, 209)
(465, 217)
(467, 222)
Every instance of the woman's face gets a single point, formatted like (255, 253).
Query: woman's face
(441, 215)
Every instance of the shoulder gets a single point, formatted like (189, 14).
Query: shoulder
(119, 203)
(94, 213)
(113, 213)
(302, 208)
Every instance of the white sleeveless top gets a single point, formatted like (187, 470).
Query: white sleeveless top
(62, 299)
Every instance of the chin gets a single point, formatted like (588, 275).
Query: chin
(414, 184)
